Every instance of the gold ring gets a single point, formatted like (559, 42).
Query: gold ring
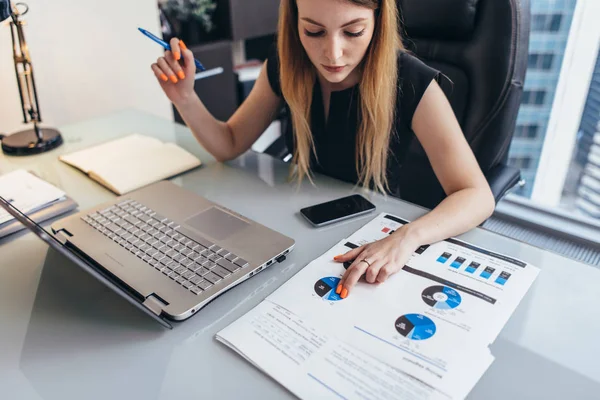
(368, 263)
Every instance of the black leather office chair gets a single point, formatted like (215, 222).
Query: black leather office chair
(482, 46)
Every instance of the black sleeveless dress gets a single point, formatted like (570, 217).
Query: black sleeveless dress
(335, 140)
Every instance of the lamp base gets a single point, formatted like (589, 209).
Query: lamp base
(26, 143)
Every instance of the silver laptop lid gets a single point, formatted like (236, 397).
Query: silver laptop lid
(75, 258)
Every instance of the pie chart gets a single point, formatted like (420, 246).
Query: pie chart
(441, 297)
(415, 327)
(325, 288)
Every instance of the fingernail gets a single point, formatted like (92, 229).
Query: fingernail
(183, 46)
(164, 77)
(181, 75)
(177, 55)
(339, 289)
(336, 257)
(174, 79)
(344, 293)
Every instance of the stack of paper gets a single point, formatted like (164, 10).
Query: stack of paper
(27, 193)
(131, 162)
(423, 334)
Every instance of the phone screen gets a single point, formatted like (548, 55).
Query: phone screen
(334, 210)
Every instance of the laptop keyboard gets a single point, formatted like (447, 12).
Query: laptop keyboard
(196, 265)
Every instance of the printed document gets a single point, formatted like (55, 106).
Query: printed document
(426, 329)
(27, 193)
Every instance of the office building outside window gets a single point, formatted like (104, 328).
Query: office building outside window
(550, 25)
(582, 188)
(556, 142)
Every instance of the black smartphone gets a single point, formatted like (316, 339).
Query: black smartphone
(337, 210)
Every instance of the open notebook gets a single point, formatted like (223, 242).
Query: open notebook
(131, 162)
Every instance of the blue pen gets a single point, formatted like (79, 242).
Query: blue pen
(168, 47)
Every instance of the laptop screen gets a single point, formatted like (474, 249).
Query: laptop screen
(75, 258)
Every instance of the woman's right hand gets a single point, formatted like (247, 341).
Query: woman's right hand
(176, 78)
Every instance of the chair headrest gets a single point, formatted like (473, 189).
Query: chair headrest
(438, 19)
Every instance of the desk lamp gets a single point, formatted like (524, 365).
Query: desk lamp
(36, 140)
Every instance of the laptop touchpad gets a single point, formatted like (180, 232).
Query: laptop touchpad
(216, 223)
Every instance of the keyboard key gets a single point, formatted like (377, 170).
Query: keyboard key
(132, 220)
(152, 252)
(165, 239)
(194, 266)
(187, 284)
(179, 247)
(228, 265)
(180, 269)
(222, 272)
(196, 279)
(173, 265)
(223, 253)
(215, 249)
(204, 285)
(179, 257)
(171, 253)
(178, 236)
(209, 265)
(240, 262)
(196, 290)
(113, 227)
(145, 247)
(212, 278)
(180, 279)
(187, 262)
(188, 274)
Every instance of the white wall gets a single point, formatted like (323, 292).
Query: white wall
(89, 59)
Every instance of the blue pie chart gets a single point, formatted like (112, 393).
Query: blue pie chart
(415, 327)
(441, 297)
(325, 288)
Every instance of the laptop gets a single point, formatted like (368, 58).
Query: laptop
(166, 250)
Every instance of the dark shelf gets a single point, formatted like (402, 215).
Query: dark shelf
(219, 92)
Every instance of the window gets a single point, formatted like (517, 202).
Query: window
(522, 162)
(534, 97)
(546, 22)
(527, 131)
(557, 136)
(540, 61)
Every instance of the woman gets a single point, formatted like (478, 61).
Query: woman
(355, 98)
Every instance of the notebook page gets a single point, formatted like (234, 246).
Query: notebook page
(97, 157)
(143, 168)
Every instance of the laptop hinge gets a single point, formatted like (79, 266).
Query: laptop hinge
(62, 235)
(155, 304)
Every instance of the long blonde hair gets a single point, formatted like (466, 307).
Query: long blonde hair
(378, 90)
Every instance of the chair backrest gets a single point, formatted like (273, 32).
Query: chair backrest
(482, 47)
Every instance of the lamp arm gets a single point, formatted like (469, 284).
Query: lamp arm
(24, 68)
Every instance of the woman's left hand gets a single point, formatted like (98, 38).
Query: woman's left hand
(379, 260)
